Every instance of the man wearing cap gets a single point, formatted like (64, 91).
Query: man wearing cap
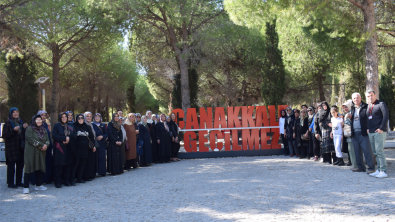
(377, 130)
(360, 139)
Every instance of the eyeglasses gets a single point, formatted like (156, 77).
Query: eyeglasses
(80, 118)
(39, 120)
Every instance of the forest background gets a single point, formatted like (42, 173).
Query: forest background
(139, 55)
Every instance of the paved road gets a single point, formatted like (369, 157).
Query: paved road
(273, 188)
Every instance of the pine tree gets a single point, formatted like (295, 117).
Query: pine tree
(193, 89)
(273, 71)
(22, 91)
(131, 98)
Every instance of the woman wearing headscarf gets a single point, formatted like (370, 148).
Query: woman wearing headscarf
(70, 117)
(131, 130)
(70, 125)
(37, 142)
(301, 132)
(84, 137)
(138, 118)
(101, 136)
(289, 131)
(312, 140)
(328, 148)
(148, 114)
(175, 142)
(115, 137)
(123, 145)
(14, 137)
(62, 153)
(145, 136)
(281, 122)
(48, 177)
(163, 140)
(90, 168)
(154, 145)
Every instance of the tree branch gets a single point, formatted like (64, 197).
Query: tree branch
(358, 4)
(41, 60)
(207, 19)
(71, 59)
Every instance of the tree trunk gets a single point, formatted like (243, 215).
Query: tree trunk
(55, 84)
(371, 49)
(321, 88)
(185, 93)
(91, 95)
(107, 108)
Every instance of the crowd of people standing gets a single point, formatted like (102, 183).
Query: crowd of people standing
(323, 134)
(81, 147)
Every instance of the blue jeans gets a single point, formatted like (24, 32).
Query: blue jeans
(362, 147)
(377, 142)
(292, 148)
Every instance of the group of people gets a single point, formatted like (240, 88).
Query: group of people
(323, 133)
(82, 147)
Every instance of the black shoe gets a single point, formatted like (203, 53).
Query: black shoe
(20, 184)
(336, 162)
(80, 181)
(358, 170)
(67, 184)
(349, 163)
(341, 162)
(73, 184)
(87, 179)
(58, 185)
(302, 157)
(12, 186)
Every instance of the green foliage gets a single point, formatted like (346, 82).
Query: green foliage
(387, 89)
(273, 71)
(131, 98)
(144, 99)
(22, 91)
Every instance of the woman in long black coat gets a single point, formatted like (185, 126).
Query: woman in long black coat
(83, 135)
(154, 144)
(144, 133)
(115, 137)
(175, 143)
(14, 137)
(101, 136)
(301, 128)
(163, 140)
(62, 153)
(90, 169)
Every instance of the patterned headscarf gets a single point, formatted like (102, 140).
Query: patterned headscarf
(149, 120)
(40, 130)
(115, 123)
(72, 121)
(65, 127)
(164, 122)
(142, 121)
(94, 119)
(89, 123)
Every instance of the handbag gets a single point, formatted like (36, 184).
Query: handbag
(91, 144)
(347, 128)
(304, 138)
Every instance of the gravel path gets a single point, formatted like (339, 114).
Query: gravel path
(273, 188)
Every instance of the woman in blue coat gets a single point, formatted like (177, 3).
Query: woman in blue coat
(145, 136)
(101, 137)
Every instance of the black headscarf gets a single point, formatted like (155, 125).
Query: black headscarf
(324, 113)
(285, 113)
(65, 127)
(40, 130)
(115, 123)
(76, 120)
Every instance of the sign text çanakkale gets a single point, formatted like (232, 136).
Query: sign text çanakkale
(259, 131)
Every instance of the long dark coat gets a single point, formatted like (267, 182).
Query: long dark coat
(101, 150)
(62, 153)
(13, 142)
(163, 135)
(114, 157)
(154, 144)
(145, 136)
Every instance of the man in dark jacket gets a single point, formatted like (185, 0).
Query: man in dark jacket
(360, 139)
(14, 135)
(377, 130)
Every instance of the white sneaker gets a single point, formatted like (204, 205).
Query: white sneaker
(25, 190)
(375, 173)
(216, 150)
(40, 188)
(382, 174)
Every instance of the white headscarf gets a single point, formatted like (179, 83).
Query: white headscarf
(89, 123)
(149, 120)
